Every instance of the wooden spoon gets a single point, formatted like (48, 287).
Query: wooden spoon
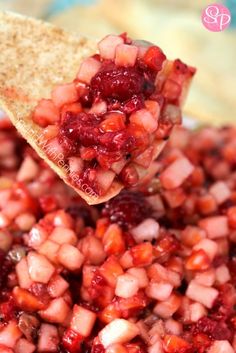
(36, 56)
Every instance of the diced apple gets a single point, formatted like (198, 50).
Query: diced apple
(70, 257)
(62, 235)
(40, 269)
(82, 320)
(22, 272)
(48, 339)
(88, 69)
(118, 331)
(64, 94)
(148, 230)
(176, 173)
(57, 286)
(107, 46)
(24, 346)
(10, 334)
(202, 294)
(56, 312)
(126, 55)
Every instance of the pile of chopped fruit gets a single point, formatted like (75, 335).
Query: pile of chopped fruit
(150, 271)
(113, 119)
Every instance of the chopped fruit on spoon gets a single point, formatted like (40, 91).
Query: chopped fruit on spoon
(141, 273)
(108, 125)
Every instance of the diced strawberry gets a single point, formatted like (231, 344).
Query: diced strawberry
(56, 312)
(70, 257)
(46, 113)
(154, 58)
(82, 320)
(113, 122)
(40, 269)
(191, 235)
(62, 235)
(231, 214)
(110, 313)
(64, 94)
(175, 344)
(24, 346)
(101, 227)
(209, 246)
(113, 240)
(71, 107)
(142, 254)
(168, 307)
(198, 260)
(176, 173)
(118, 331)
(72, 340)
(134, 305)
(107, 46)
(48, 338)
(110, 270)
(175, 198)
(202, 294)
(116, 348)
(126, 55)
(26, 301)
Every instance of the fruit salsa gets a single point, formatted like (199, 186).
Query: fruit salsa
(112, 121)
(150, 271)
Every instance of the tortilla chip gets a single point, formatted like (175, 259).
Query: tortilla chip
(35, 56)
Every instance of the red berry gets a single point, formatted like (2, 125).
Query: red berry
(118, 209)
(72, 340)
(120, 83)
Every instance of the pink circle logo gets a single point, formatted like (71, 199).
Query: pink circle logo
(216, 17)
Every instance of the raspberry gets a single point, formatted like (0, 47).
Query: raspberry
(81, 127)
(216, 330)
(120, 83)
(127, 209)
